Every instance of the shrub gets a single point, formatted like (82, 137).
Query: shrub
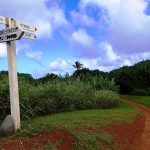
(141, 92)
(106, 99)
(99, 82)
(4, 98)
(57, 96)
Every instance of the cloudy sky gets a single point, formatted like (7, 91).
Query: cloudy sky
(101, 34)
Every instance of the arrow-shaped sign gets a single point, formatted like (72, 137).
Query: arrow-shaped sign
(25, 27)
(3, 20)
(10, 34)
(29, 35)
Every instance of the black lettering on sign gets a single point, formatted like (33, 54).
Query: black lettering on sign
(3, 38)
(2, 32)
(11, 30)
(28, 27)
(24, 26)
(27, 34)
(13, 36)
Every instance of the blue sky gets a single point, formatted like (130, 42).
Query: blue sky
(101, 34)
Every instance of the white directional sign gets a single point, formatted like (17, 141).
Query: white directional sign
(10, 34)
(29, 35)
(14, 31)
(3, 20)
(25, 27)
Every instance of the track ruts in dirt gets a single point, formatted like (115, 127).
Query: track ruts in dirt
(144, 143)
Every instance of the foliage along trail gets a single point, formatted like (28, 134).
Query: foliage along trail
(144, 143)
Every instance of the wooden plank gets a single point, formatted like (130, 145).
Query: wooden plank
(29, 35)
(13, 79)
(25, 27)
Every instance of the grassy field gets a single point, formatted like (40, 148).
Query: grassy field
(145, 100)
(79, 122)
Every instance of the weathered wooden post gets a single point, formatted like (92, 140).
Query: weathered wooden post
(13, 79)
(14, 31)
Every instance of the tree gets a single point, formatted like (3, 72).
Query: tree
(78, 65)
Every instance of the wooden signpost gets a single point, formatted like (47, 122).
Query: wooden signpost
(14, 31)
(26, 28)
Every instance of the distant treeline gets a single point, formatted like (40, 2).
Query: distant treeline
(129, 79)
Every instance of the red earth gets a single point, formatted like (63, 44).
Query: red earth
(62, 139)
(133, 136)
(144, 142)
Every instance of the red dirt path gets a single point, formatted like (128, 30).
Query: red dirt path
(144, 143)
(134, 136)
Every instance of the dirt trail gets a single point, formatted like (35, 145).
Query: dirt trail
(145, 137)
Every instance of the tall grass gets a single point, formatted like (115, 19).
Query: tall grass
(99, 82)
(4, 98)
(106, 99)
(58, 96)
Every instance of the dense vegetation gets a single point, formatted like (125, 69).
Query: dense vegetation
(53, 94)
(133, 80)
(84, 89)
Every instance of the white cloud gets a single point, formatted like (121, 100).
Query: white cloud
(57, 16)
(36, 55)
(60, 65)
(126, 62)
(128, 29)
(46, 18)
(111, 55)
(44, 29)
(127, 33)
(83, 43)
(3, 50)
(82, 37)
(83, 19)
(31, 53)
(63, 66)
(58, 62)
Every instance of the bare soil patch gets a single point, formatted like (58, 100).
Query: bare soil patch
(127, 136)
(62, 140)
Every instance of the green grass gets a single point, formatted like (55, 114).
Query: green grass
(87, 125)
(145, 100)
(83, 118)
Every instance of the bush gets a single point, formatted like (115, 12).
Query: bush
(55, 97)
(99, 82)
(58, 96)
(141, 92)
(4, 98)
(106, 99)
